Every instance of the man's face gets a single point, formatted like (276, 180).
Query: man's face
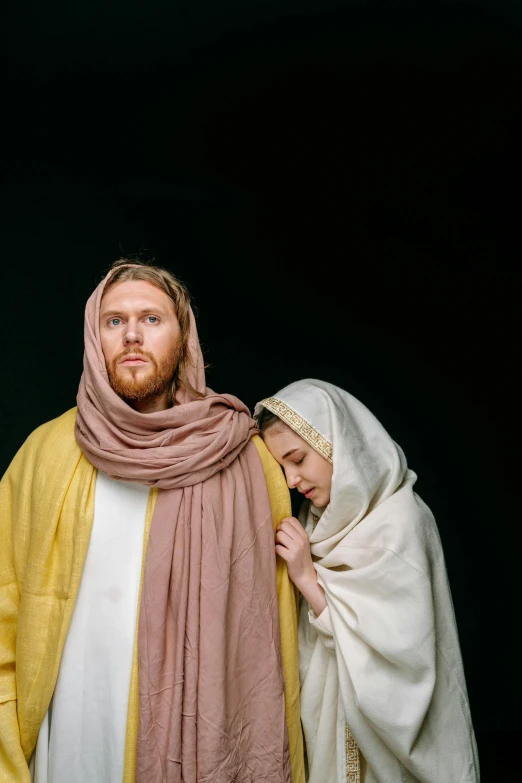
(141, 342)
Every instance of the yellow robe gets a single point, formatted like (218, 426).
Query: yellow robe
(46, 515)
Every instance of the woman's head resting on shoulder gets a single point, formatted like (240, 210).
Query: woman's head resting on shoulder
(305, 468)
(332, 449)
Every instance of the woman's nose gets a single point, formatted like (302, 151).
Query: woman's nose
(292, 479)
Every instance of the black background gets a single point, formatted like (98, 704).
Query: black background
(338, 183)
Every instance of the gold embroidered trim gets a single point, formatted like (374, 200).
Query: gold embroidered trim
(353, 766)
(303, 428)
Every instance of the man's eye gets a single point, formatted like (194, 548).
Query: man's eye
(115, 322)
(152, 319)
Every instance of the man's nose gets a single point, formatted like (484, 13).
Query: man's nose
(133, 334)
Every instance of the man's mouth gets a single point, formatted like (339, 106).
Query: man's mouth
(133, 360)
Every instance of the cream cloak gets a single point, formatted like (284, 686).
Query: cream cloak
(386, 647)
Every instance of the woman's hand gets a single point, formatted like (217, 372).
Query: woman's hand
(293, 545)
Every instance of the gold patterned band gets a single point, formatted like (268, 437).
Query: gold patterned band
(353, 766)
(303, 428)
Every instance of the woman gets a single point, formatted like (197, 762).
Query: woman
(383, 695)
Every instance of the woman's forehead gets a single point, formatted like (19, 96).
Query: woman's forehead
(282, 437)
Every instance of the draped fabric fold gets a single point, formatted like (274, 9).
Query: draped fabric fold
(210, 671)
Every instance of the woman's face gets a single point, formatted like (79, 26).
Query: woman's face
(304, 467)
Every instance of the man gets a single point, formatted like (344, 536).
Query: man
(140, 638)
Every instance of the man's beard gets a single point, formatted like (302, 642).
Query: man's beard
(133, 385)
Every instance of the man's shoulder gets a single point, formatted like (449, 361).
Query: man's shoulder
(267, 459)
(55, 434)
(278, 493)
(271, 466)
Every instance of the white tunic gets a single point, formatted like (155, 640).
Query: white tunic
(82, 737)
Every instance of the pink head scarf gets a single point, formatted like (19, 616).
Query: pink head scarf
(210, 672)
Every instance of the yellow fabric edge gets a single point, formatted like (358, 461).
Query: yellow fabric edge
(133, 712)
(288, 612)
(47, 505)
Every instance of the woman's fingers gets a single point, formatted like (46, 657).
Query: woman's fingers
(292, 527)
(282, 551)
(292, 521)
(283, 538)
(293, 545)
(287, 528)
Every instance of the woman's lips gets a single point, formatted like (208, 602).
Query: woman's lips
(309, 493)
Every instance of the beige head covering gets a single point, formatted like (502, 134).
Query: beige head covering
(368, 466)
